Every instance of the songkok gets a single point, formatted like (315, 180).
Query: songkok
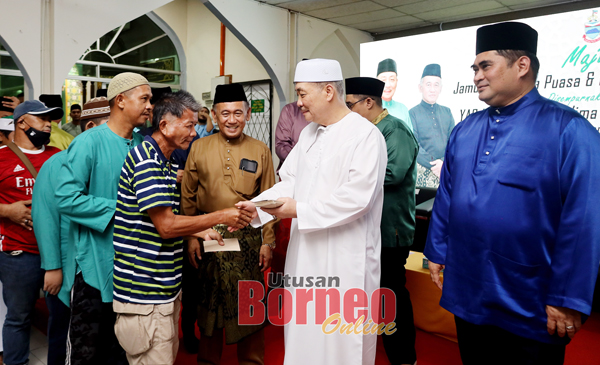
(95, 108)
(364, 86)
(123, 82)
(35, 107)
(432, 70)
(157, 92)
(510, 35)
(229, 93)
(387, 65)
(52, 100)
(101, 92)
(75, 107)
(7, 124)
(318, 70)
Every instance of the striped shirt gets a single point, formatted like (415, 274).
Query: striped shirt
(147, 268)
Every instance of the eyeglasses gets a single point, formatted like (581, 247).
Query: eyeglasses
(351, 105)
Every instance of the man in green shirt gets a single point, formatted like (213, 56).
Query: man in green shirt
(73, 127)
(87, 194)
(398, 216)
(387, 72)
(432, 125)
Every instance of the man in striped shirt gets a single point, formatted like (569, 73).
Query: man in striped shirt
(148, 236)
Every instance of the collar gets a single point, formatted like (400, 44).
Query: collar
(230, 141)
(511, 109)
(425, 104)
(380, 117)
(157, 149)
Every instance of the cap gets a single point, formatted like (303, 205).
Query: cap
(123, 82)
(95, 108)
(7, 124)
(364, 86)
(52, 100)
(387, 65)
(229, 93)
(509, 35)
(318, 70)
(432, 70)
(36, 107)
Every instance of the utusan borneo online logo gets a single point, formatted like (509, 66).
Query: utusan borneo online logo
(317, 301)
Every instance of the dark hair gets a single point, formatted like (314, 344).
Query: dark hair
(75, 106)
(512, 56)
(175, 104)
(5, 133)
(376, 99)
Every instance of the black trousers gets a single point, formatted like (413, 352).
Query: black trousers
(399, 346)
(92, 339)
(58, 328)
(491, 345)
(190, 298)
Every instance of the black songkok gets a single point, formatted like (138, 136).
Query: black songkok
(157, 92)
(364, 86)
(509, 36)
(101, 92)
(52, 100)
(387, 65)
(229, 93)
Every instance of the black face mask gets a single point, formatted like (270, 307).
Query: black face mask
(36, 137)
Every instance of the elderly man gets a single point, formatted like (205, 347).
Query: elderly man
(149, 248)
(222, 170)
(515, 220)
(20, 268)
(363, 96)
(388, 73)
(73, 127)
(87, 194)
(432, 125)
(332, 187)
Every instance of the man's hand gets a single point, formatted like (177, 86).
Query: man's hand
(287, 210)
(434, 271)
(236, 218)
(194, 252)
(266, 255)
(53, 281)
(20, 213)
(13, 103)
(179, 176)
(563, 320)
(436, 167)
(248, 206)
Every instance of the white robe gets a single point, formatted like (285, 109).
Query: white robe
(336, 175)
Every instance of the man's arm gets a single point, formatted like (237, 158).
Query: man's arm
(283, 134)
(401, 151)
(72, 197)
(577, 248)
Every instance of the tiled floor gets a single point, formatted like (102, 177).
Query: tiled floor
(38, 347)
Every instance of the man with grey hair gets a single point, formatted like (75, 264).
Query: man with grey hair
(149, 248)
(332, 187)
(87, 194)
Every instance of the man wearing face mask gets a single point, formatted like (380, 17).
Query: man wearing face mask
(87, 194)
(20, 267)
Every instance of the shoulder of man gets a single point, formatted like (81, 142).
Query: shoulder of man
(397, 123)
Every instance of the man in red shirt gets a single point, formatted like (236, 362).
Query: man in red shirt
(20, 267)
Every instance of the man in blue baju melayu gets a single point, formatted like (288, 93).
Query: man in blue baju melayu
(515, 217)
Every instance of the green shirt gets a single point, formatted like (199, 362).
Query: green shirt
(432, 125)
(57, 250)
(72, 129)
(87, 194)
(398, 217)
(399, 111)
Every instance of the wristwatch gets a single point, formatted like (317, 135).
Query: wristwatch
(271, 245)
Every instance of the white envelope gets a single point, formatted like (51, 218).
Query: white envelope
(231, 244)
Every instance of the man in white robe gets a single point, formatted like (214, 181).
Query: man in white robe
(332, 187)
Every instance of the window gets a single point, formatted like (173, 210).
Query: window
(11, 79)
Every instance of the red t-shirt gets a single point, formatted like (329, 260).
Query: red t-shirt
(16, 184)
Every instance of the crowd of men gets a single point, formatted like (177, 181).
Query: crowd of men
(113, 227)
